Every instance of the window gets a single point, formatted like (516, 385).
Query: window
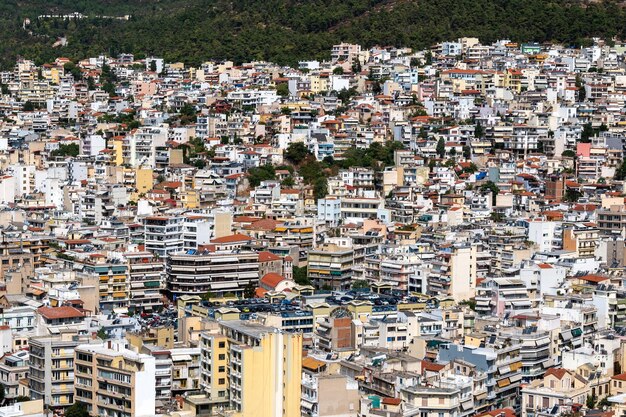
(221, 356)
(531, 401)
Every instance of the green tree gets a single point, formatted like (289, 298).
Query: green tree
(296, 152)
(256, 175)
(360, 284)
(77, 409)
(320, 187)
(249, 291)
(22, 398)
(591, 401)
(338, 70)
(28, 106)
(282, 90)
(102, 334)
(572, 195)
(207, 296)
(288, 182)
(620, 172)
(587, 133)
(300, 275)
(153, 66)
(568, 153)
(479, 132)
(490, 186)
(441, 148)
(70, 149)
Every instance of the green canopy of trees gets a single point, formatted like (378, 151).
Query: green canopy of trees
(70, 149)
(288, 31)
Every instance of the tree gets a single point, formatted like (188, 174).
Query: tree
(249, 290)
(620, 172)
(572, 195)
(490, 186)
(360, 284)
(153, 66)
(441, 148)
(320, 188)
(479, 132)
(22, 398)
(568, 154)
(467, 152)
(428, 57)
(207, 296)
(256, 175)
(587, 133)
(338, 70)
(102, 334)
(288, 182)
(28, 106)
(300, 275)
(591, 401)
(70, 149)
(77, 409)
(296, 152)
(282, 90)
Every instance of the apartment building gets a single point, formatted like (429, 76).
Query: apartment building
(146, 280)
(255, 368)
(331, 266)
(581, 238)
(13, 368)
(453, 273)
(51, 368)
(163, 234)
(195, 273)
(112, 380)
(554, 394)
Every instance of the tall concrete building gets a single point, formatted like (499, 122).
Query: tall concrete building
(252, 369)
(191, 273)
(112, 380)
(51, 372)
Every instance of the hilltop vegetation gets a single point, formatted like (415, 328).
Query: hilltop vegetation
(287, 30)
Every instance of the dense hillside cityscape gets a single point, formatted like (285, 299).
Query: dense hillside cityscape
(373, 231)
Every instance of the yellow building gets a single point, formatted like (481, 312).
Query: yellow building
(53, 352)
(254, 368)
(161, 336)
(318, 83)
(118, 150)
(112, 380)
(143, 180)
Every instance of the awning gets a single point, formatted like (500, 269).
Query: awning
(566, 335)
(504, 370)
(516, 377)
(548, 363)
(306, 404)
(504, 382)
(178, 358)
(481, 396)
(467, 405)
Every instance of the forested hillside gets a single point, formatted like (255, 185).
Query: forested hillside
(288, 30)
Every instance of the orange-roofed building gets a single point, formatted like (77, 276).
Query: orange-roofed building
(231, 242)
(275, 282)
(558, 388)
(61, 316)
